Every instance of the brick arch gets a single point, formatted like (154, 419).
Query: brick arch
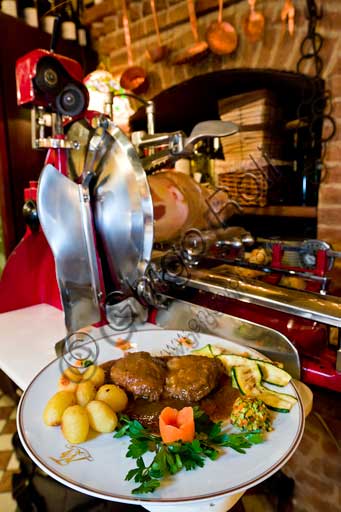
(196, 99)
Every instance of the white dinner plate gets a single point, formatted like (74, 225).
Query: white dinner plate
(98, 467)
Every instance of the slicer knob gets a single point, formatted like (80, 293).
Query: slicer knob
(309, 251)
(30, 214)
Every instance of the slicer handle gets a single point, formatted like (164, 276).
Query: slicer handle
(211, 129)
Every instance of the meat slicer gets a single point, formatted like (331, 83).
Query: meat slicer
(90, 246)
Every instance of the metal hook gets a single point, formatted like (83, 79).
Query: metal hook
(312, 10)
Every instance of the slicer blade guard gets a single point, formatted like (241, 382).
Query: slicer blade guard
(67, 226)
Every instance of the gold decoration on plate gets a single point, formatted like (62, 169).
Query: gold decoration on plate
(72, 454)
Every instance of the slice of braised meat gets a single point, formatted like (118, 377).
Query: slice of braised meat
(140, 374)
(147, 413)
(190, 378)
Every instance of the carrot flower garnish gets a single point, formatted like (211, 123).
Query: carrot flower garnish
(177, 425)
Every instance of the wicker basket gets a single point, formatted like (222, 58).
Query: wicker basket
(248, 187)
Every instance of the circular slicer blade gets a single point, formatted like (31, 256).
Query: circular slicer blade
(121, 204)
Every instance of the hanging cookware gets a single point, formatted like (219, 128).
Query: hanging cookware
(159, 52)
(133, 78)
(221, 36)
(288, 17)
(254, 23)
(199, 48)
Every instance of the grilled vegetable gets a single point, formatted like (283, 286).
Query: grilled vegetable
(271, 373)
(208, 351)
(248, 379)
(279, 402)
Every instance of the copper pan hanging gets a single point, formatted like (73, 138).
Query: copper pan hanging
(221, 36)
(254, 23)
(288, 17)
(133, 78)
(199, 48)
(157, 52)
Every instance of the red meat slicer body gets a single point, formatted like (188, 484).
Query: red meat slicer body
(27, 75)
(29, 277)
(51, 86)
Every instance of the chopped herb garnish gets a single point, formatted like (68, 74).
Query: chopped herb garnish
(87, 363)
(169, 459)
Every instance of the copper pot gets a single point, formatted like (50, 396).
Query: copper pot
(133, 78)
(254, 23)
(199, 48)
(288, 16)
(221, 36)
(159, 52)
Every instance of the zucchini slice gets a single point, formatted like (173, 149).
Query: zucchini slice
(279, 402)
(271, 373)
(231, 360)
(248, 379)
(208, 351)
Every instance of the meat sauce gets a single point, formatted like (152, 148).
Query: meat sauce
(218, 404)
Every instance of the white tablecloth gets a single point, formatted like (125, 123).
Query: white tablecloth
(28, 337)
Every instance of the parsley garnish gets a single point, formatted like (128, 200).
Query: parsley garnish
(172, 458)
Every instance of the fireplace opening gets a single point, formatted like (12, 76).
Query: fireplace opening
(275, 160)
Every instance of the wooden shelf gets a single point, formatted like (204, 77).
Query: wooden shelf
(309, 212)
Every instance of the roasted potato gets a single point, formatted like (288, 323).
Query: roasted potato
(114, 396)
(75, 424)
(56, 406)
(85, 392)
(101, 417)
(69, 379)
(65, 384)
(95, 374)
(73, 374)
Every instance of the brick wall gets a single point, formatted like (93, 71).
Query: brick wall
(276, 50)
